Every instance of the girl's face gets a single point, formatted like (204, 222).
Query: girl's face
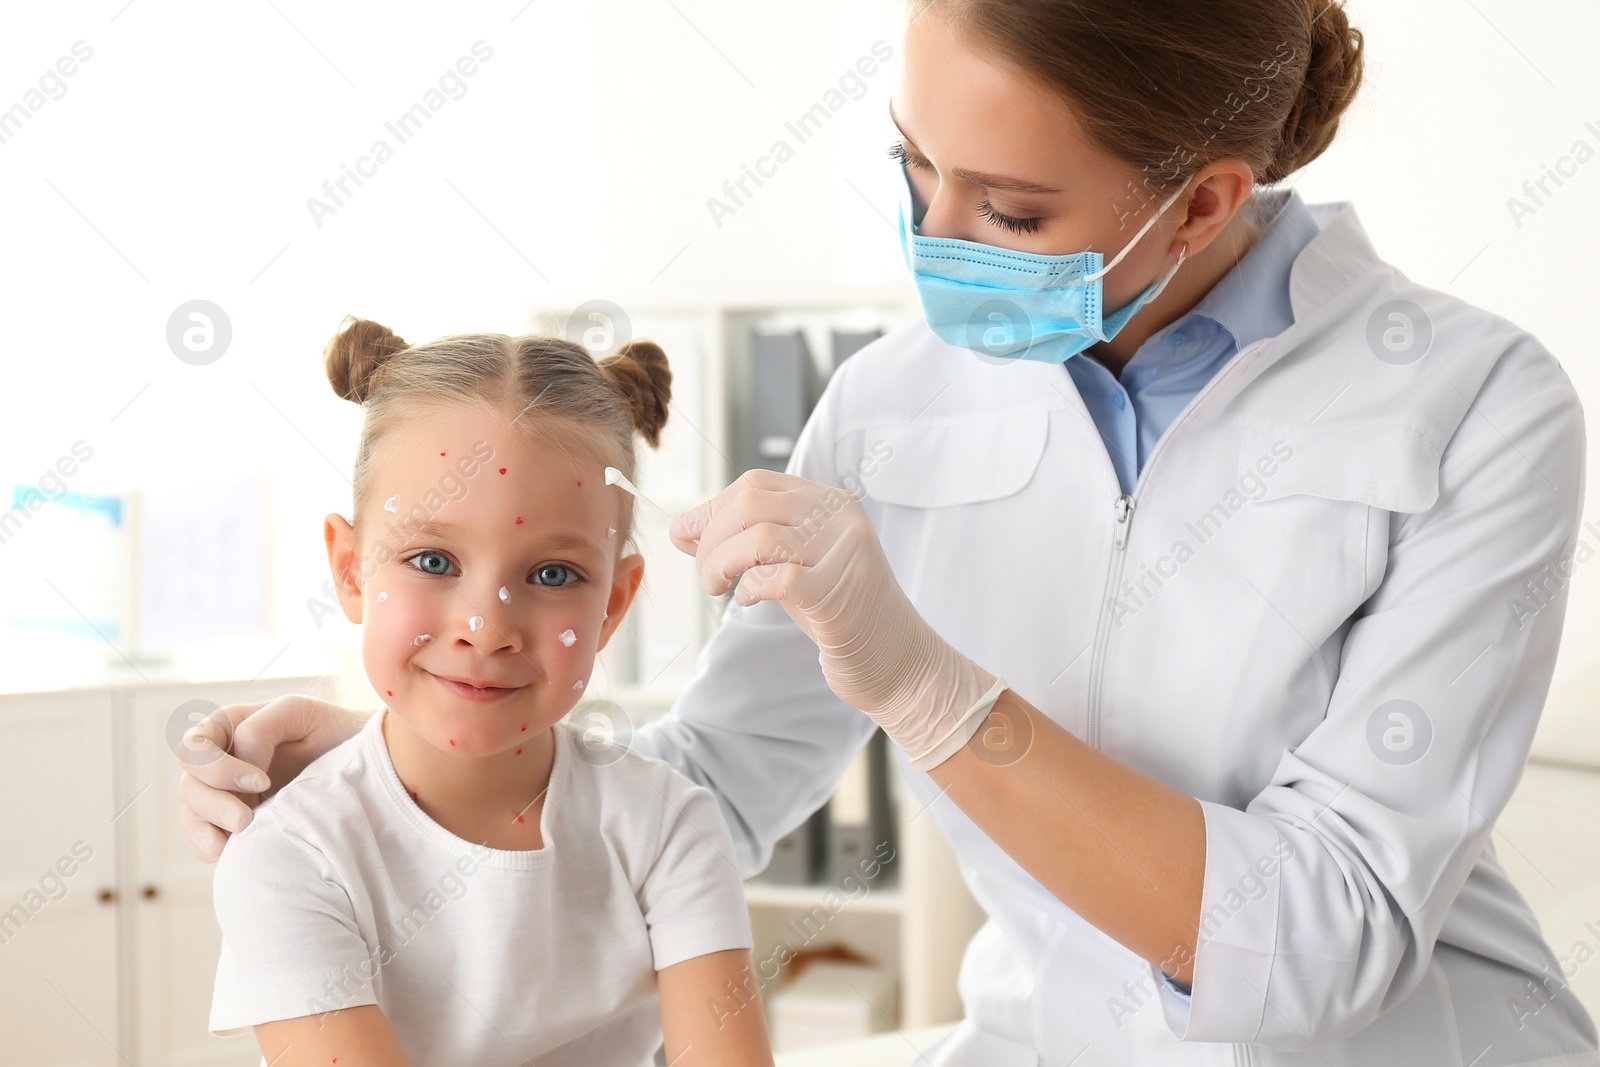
(484, 569)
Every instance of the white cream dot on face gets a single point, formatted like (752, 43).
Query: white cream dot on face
(475, 623)
(568, 638)
(611, 531)
(382, 597)
(578, 684)
(422, 639)
(392, 504)
(505, 595)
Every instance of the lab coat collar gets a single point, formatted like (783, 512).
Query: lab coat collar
(1328, 265)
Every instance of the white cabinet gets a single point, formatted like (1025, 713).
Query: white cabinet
(108, 941)
(59, 902)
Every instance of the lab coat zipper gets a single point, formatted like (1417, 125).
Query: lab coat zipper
(1124, 518)
(1119, 541)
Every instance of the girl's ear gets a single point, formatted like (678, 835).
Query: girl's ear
(625, 581)
(340, 537)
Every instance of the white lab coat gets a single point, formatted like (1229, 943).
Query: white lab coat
(1321, 533)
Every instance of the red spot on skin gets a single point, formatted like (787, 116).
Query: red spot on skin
(519, 520)
(524, 727)
(519, 817)
(413, 794)
(502, 470)
(389, 691)
(452, 740)
(519, 751)
(441, 453)
(580, 485)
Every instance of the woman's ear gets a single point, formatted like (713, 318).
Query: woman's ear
(625, 579)
(340, 537)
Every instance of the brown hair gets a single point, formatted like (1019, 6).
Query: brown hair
(551, 385)
(1171, 85)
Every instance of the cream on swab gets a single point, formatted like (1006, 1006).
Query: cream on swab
(616, 477)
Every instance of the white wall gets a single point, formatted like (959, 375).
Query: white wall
(579, 162)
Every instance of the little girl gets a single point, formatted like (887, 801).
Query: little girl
(470, 879)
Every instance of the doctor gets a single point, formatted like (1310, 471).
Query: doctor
(1207, 572)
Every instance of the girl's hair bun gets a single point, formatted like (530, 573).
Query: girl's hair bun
(639, 373)
(356, 353)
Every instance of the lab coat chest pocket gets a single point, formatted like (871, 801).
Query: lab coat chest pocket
(937, 464)
(947, 500)
(1318, 507)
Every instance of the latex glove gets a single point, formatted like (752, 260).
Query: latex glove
(223, 756)
(811, 548)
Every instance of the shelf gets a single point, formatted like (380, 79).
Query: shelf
(886, 901)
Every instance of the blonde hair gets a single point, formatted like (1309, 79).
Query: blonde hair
(551, 385)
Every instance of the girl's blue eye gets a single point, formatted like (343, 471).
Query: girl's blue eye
(435, 563)
(560, 571)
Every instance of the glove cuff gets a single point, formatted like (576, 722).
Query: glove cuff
(961, 732)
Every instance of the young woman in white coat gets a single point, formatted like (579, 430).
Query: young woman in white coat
(1207, 573)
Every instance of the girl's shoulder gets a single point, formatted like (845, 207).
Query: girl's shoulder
(319, 805)
(611, 782)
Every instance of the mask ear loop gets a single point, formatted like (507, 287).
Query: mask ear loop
(1182, 252)
(1151, 221)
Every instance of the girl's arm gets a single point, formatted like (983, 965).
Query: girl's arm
(711, 1012)
(351, 1037)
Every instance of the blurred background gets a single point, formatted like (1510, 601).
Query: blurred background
(199, 193)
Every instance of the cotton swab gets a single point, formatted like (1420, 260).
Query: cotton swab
(616, 477)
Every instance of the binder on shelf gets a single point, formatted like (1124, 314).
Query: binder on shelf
(800, 856)
(847, 343)
(861, 814)
(787, 386)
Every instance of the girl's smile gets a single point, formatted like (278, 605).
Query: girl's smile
(474, 689)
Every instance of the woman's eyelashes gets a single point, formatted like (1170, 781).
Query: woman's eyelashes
(898, 153)
(985, 210)
(438, 564)
(1015, 225)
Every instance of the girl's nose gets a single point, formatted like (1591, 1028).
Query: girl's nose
(492, 623)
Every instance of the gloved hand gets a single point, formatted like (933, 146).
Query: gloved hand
(221, 754)
(811, 547)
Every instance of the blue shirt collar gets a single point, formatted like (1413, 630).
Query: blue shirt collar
(1251, 301)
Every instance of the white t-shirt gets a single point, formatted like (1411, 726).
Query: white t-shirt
(343, 892)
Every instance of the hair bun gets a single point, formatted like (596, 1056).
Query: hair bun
(355, 354)
(1333, 74)
(638, 371)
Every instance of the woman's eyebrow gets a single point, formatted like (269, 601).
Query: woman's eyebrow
(978, 177)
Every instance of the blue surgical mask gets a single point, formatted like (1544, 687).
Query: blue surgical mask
(1018, 305)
